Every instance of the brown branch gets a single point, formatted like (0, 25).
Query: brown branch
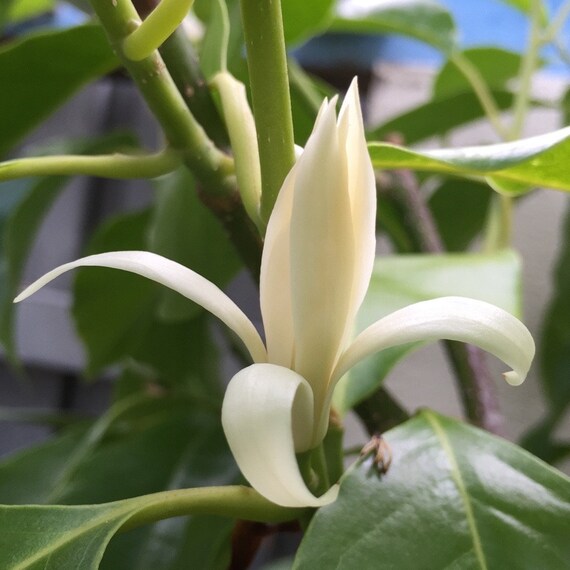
(475, 384)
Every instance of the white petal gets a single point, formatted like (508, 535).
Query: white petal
(362, 193)
(266, 412)
(322, 254)
(452, 318)
(183, 280)
(275, 279)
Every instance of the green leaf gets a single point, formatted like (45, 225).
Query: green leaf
(399, 281)
(459, 208)
(214, 52)
(23, 205)
(70, 537)
(525, 6)
(438, 117)
(75, 56)
(454, 497)
(183, 355)
(424, 20)
(302, 20)
(18, 10)
(184, 230)
(538, 161)
(125, 456)
(27, 477)
(113, 309)
(496, 66)
(554, 354)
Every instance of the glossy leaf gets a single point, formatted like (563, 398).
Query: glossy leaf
(399, 281)
(184, 230)
(454, 497)
(438, 117)
(534, 162)
(496, 66)
(75, 56)
(302, 20)
(424, 20)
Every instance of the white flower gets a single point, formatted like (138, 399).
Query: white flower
(316, 266)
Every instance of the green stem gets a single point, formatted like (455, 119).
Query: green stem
(267, 64)
(182, 130)
(235, 501)
(528, 67)
(499, 224)
(156, 28)
(556, 24)
(498, 233)
(117, 166)
(482, 91)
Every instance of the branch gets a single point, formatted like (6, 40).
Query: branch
(117, 166)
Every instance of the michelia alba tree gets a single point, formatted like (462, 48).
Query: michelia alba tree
(316, 264)
(304, 221)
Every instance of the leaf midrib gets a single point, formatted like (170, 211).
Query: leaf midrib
(461, 488)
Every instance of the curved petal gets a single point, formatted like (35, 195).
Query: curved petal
(175, 276)
(266, 412)
(451, 318)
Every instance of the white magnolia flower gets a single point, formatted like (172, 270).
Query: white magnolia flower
(316, 266)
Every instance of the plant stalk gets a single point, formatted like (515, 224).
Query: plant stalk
(117, 166)
(233, 501)
(267, 64)
(183, 132)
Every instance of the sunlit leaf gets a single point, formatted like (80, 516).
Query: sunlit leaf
(534, 162)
